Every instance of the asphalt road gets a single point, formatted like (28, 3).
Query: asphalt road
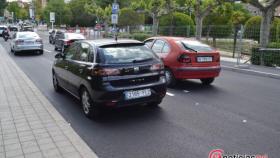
(239, 113)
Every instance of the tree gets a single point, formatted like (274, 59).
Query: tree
(129, 17)
(2, 6)
(13, 7)
(267, 7)
(63, 13)
(38, 9)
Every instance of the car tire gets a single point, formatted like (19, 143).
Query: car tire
(207, 81)
(55, 48)
(170, 79)
(88, 107)
(56, 85)
(15, 52)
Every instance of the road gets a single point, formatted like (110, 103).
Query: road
(239, 113)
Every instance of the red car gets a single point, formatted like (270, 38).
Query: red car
(186, 59)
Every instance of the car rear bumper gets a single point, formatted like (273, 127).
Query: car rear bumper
(197, 72)
(115, 97)
(28, 48)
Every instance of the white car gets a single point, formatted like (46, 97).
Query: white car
(26, 42)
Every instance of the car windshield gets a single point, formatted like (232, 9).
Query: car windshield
(126, 54)
(74, 36)
(195, 46)
(29, 35)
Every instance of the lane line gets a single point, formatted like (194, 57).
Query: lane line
(170, 94)
(47, 51)
(186, 91)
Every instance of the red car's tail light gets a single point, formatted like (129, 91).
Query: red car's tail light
(19, 42)
(184, 58)
(105, 72)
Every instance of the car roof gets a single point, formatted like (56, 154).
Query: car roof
(104, 42)
(173, 38)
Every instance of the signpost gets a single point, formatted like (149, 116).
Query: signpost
(115, 17)
(52, 18)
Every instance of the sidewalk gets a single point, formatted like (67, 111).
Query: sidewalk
(30, 127)
(230, 64)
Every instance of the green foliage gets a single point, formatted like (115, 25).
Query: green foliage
(252, 29)
(270, 57)
(129, 17)
(19, 13)
(141, 36)
(81, 18)
(176, 24)
(63, 14)
(2, 6)
(274, 45)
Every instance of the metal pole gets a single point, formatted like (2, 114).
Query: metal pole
(240, 35)
(115, 27)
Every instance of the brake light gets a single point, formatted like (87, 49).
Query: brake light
(218, 58)
(105, 72)
(184, 58)
(156, 67)
(67, 43)
(19, 42)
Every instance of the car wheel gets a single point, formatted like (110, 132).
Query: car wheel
(56, 86)
(207, 81)
(55, 48)
(15, 52)
(170, 79)
(87, 104)
(154, 104)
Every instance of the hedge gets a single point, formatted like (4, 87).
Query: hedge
(271, 57)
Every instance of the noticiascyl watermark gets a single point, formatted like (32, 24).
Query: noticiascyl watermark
(219, 153)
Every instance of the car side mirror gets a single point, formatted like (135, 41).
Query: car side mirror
(59, 55)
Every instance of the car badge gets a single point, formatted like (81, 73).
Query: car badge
(136, 69)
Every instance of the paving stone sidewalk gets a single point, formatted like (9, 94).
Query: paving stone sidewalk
(30, 127)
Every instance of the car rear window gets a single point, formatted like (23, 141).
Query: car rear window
(194, 46)
(74, 36)
(27, 35)
(120, 54)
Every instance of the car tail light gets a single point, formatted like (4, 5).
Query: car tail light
(67, 43)
(184, 58)
(218, 58)
(39, 41)
(19, 42)
(105, 72)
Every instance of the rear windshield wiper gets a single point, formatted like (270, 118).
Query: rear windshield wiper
(188, 48)
(143, 60)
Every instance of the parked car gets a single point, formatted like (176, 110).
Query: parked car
(64, 40)
(106, 73)
(26, 41)
(186, 59)
(13, 28)
(27, 28)
(2, 28)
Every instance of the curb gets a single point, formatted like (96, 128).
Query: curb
(252, 72)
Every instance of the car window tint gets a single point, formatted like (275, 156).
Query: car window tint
(194, 46)
(126, 54)
(70, 52)
(158, 45)
(149, 43)
(83, 51)
(166, 48)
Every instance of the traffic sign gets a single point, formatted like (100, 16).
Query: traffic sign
(52, 17)
(115, 8)
(114, 18)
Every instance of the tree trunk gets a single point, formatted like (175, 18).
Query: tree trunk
(214, 42)
(265, 27)
(198, 27)
(171, 25)
(155, 25)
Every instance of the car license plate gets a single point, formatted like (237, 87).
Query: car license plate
(137, 94)
(204, 59)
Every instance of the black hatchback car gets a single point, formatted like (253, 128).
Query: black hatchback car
(106, 73)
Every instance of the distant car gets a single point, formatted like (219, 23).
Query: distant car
(64, 40)
(2, 28)
(26, 41)
(186, 59)
(27, 28)
(106, 73)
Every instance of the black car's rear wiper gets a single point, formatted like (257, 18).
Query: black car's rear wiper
(188, 48)
(142, 60)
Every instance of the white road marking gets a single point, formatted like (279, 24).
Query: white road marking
(244, 121)
(186, 91)
(47, 50)
(196, 104)
(170, 94)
